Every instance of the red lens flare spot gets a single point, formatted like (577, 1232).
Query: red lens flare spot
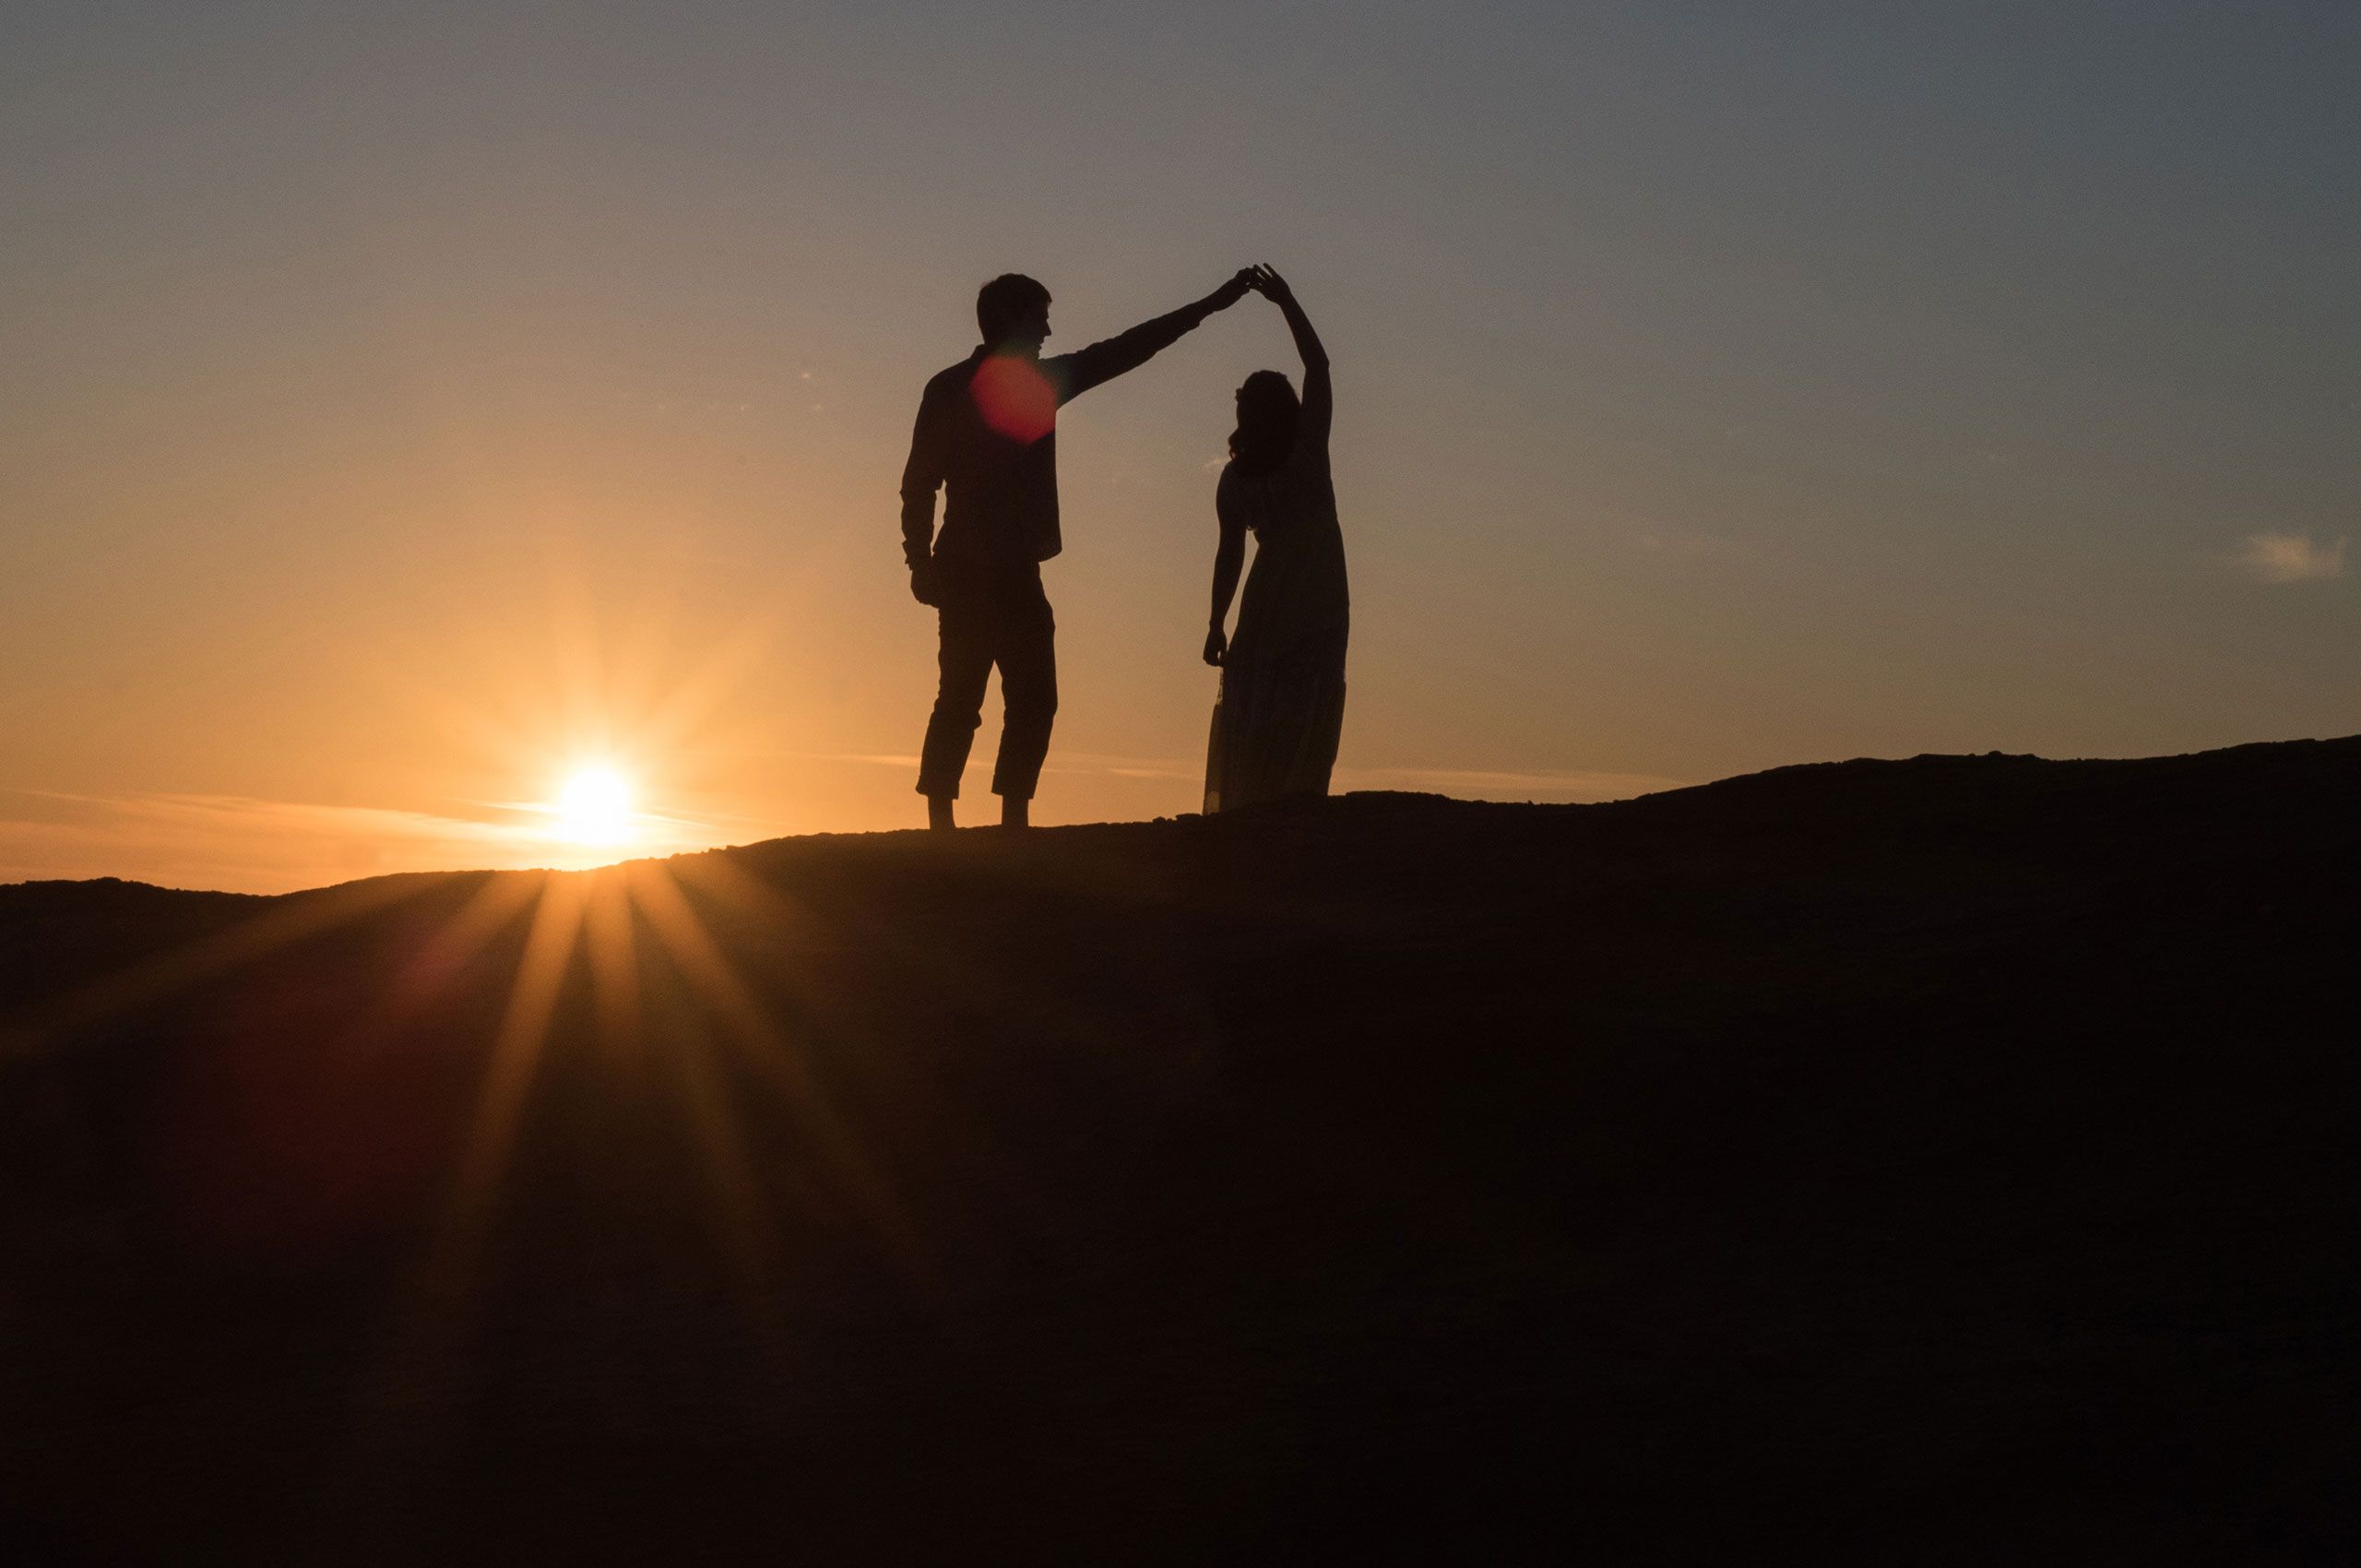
(1015, 398)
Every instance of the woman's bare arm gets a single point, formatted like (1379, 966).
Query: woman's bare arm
(1319, 398)
(1229, 556)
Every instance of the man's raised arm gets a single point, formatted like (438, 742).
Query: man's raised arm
(1086, 368)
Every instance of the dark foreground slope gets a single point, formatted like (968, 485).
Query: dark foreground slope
(1896, 1159)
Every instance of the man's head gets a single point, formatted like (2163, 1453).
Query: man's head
(1012, 312)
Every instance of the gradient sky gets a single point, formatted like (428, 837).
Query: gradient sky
(399, 407)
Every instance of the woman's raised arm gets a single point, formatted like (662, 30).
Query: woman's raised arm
(1319, 398)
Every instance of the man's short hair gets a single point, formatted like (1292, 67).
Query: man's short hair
(1005, 301)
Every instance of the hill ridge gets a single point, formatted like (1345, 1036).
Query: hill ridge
(1931, 1161)
(1784, 773)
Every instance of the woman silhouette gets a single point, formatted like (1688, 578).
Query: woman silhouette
(1282, 703)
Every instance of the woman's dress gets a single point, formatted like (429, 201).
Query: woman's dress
(1283, 680)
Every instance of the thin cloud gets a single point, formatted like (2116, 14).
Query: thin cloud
(2289, 558)
(1091, 763)
(870, 759)
(1123, 767)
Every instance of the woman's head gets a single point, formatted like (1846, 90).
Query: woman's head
(1267, 412)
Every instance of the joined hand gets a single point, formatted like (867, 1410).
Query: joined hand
(1264, 279)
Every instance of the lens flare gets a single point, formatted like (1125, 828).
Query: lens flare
(1015, 397)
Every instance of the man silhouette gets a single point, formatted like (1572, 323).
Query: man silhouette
(987, 435)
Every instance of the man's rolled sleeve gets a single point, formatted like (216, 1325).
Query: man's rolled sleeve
(1104, 361)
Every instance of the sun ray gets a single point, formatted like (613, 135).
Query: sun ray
(428, 972)
(436, 1299)
(716, 1141)
(640, 657)
(581, 664)
(1056, 1019)
(291, 919)
(610, 944)
(718, 987)
(716, 877)
(692, 701)
(516, 1055)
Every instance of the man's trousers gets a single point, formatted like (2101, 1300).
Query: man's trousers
(998, 619)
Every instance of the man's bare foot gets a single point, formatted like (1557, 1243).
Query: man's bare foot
(1014, 812)
(938, 814)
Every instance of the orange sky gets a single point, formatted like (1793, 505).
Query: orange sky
(395, 417)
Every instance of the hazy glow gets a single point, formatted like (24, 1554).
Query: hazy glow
(595, 808)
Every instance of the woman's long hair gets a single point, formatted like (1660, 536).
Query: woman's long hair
(1267, 413)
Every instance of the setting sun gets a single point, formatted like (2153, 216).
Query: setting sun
(594, 807)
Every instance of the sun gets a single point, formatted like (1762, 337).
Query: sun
(595, 807)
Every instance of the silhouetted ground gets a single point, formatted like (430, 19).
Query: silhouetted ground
(1942, 1160)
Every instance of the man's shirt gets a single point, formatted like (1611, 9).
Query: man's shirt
(988, 436)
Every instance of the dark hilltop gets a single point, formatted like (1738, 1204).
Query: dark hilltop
(1950, 1159)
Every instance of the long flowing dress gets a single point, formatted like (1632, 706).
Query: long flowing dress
(1282, 706)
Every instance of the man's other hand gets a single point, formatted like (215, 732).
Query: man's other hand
(926, 583)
